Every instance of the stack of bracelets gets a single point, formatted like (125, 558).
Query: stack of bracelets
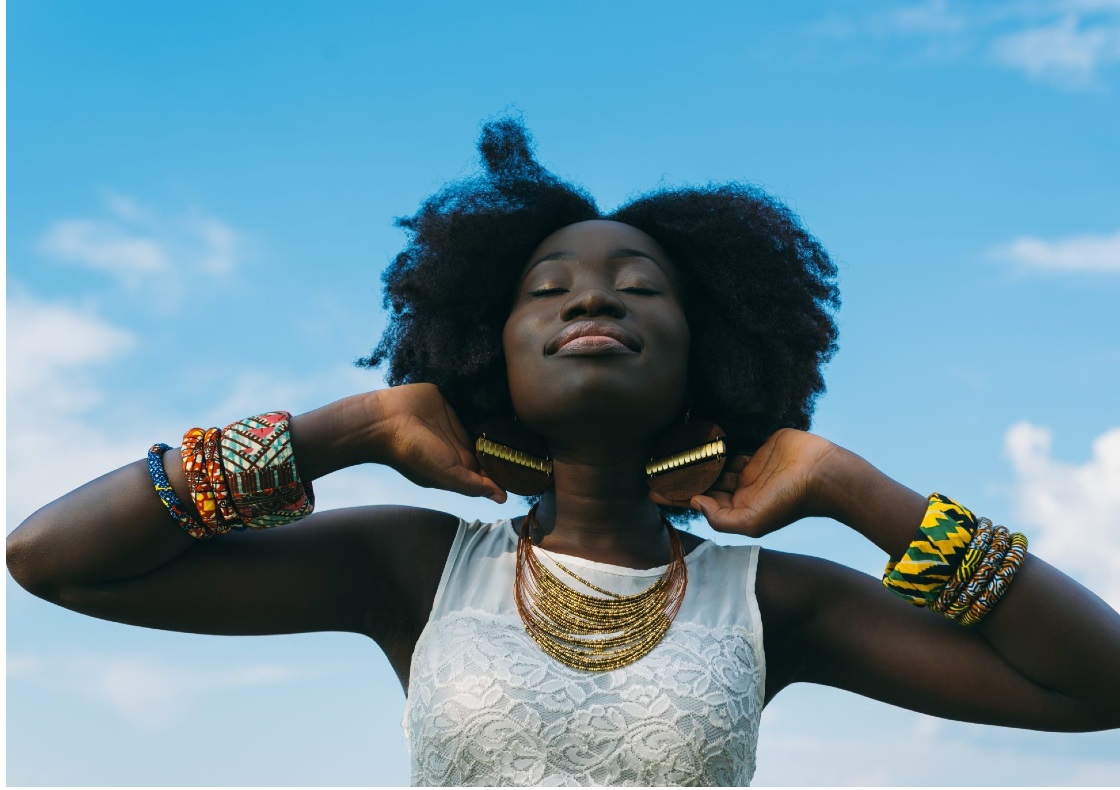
(242, 476)
(957, 565)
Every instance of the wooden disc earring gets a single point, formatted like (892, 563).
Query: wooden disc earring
(514, 457)
(687, 460)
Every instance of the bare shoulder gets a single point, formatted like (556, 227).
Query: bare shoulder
(790, 586)
(791, 590)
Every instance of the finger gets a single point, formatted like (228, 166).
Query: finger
(495, 492)
(457, 427)
(705, 504)
(721, 499)
(463, 441)
(737, 463)
(727, 481)
(718, 517)
(464, 481)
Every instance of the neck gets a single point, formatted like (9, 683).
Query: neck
(599, 508)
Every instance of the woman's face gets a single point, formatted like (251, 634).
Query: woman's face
(597, 340)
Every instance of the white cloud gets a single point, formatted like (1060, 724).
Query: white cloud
(146, 691)
(56, 356)
(1069, 52)
(1065, 43)
(50, 345)
(1073, 254)
(851, 756)
(1089, 6)
(104, 246)
(60, 391)
(934, 17)
(137, 244)
(1067, 509)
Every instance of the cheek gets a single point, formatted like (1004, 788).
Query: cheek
(675, 337)
(519, 344)
(514, 340)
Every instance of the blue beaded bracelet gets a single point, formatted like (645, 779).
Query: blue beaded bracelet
(167, 494)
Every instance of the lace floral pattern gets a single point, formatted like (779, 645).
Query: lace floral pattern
(487, 707)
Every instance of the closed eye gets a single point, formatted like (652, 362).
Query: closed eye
(547, 291)
(641, 291)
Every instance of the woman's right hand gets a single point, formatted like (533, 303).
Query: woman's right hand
(420, 436)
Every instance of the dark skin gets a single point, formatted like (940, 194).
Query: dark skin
(1044, 659)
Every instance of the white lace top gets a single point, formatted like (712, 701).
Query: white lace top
(486, 706)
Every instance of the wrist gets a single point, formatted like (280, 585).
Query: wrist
(341, 434)
(861, 497)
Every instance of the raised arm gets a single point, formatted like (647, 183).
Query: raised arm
(1044, 658)
(109, 549)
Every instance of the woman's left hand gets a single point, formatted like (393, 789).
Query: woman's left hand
(764, 492)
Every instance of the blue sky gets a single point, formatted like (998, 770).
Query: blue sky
(243, 161)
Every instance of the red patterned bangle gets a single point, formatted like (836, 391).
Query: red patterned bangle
(261, 471)
(212, 457)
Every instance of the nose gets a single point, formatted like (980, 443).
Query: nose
(592, 301)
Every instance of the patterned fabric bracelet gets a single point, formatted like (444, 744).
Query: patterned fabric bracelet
(978, 582)
(198, 481)
(1000, 582)
(261, 472)
(934, 554)
(167, 494)
(973, 555)
(212, 458)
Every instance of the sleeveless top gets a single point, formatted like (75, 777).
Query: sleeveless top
(487, 706)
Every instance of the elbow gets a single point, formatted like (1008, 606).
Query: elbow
(26, 562)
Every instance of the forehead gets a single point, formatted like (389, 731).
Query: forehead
(600, 240)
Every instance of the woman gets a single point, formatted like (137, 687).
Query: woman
(589, 642)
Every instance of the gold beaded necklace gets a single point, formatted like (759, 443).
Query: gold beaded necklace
(594, 632)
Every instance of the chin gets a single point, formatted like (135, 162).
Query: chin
(601, 403)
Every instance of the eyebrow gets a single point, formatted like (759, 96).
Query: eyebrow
(616, 254)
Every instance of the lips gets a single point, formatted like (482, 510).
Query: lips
(601, 336)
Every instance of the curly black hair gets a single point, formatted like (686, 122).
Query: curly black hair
(760, 291)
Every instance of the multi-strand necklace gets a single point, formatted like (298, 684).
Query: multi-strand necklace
(594, 632)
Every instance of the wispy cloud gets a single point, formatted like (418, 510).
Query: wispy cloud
(1097, 254)
(105, 246)
(60, 358)
(62, 394)
(52, 345)
(146, 691)
(1065, 508)
(135, 244)
(1069, 52)
(935, 17)
(869, 745)
(1065, 43)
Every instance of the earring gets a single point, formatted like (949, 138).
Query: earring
(687, 459)
(514, 457)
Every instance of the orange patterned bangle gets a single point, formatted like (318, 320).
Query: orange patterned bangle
(198, 482)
